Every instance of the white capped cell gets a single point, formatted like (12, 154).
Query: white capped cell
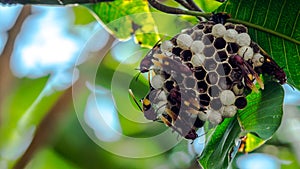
(184, 41)
(218, 30)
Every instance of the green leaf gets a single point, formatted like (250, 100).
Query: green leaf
(208, 5)
(263, 113)
(262, 116)
(216, 152)
(125, 18)
(275, 27)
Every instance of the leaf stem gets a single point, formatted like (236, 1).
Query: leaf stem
(172, 10)
(258, 27)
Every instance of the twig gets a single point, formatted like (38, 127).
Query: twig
(171, 10)
(51, 2)
(193, 5)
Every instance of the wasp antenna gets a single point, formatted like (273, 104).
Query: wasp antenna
(134, 99)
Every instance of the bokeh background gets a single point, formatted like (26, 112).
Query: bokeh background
(64, 99)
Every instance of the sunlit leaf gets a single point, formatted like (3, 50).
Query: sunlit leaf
(263, 113)
(125, 18)
(252, 142)
(279, 16)
(216, 152)
(262, 116)
(208, 5)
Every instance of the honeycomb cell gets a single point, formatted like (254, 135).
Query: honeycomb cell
(258, 59)
(223, 69)
(200, 26)
(197, 46)
(246, 52)
(208, 51)
(197, 35)
(197, 59)
(189, 82)
(189, 64)
(198, 123)
(204, 99)
(243, 39)
(207, 29)
(210, 64)
(212, 78)
(236, 74)
(229, 111)
(238, 88)
(214, 91)
(215, 104)
(241, 29)
(167, 46)
(221, 56)
(219, 43)
(214, 117)
(169, 85)
(176, 51)
(227, 97)
(241, 102)
(186, 55)
(199, 73)
(184, 41)
(232, 48)
(255, 47)
(230, 35)
(157, 81)
(229, 25)
(225, 83)
(202, 86)
(218, 30)
(208, 39)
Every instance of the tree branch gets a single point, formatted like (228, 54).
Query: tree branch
(52, 2)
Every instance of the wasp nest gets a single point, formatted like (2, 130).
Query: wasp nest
(201, 74)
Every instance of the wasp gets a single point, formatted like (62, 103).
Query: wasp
(272, 68)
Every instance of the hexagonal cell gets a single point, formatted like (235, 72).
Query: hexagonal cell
(189, 82)
(238, 88)
(215, 104)
(225, 83)
(204, 99)
(255, 47)
(168, 85)
(198, 123)
(223, 69)
(207, 29)
(186, 55)
(236, 74)
(178, 78)
(221, 56)
(199, 73)
(200, 26)
(219, 43)
(202, 86)
(212, 78)
(176, 51)
(240, 102)
(241, 29)
(214, 91)
(229, 26)
(232, 48)
(189, 64)
(210, 64)
(208, 39)
(197, 35)
(209, 51)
